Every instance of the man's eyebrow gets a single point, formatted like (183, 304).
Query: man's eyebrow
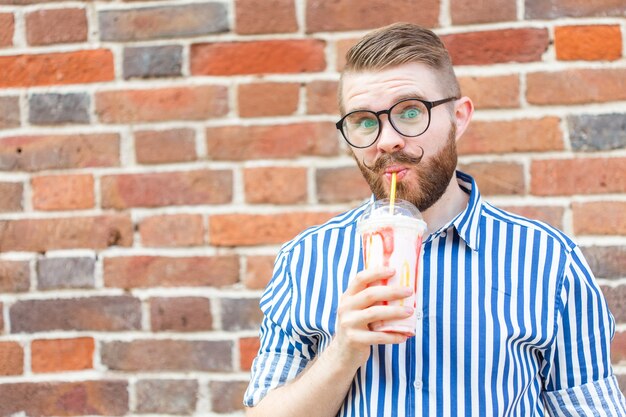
(401, 97)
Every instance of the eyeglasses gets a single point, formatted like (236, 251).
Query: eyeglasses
(410, 117)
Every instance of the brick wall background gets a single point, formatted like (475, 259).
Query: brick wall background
(154, 156)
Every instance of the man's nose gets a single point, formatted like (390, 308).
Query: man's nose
(390, 140)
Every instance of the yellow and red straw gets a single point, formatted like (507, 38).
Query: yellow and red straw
(392, 193)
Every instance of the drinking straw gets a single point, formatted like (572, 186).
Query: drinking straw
(392, 193)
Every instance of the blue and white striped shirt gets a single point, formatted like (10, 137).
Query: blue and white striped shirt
(510, 322)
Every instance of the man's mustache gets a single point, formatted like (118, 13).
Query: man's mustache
(388, 159)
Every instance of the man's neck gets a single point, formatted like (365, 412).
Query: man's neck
(451, 203)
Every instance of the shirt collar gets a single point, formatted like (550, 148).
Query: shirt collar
(467, 223)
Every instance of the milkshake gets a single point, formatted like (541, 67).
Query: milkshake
(391, 235)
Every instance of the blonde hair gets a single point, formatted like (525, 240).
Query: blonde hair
(402, 43)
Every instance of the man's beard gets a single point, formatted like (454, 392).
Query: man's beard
(433, 175)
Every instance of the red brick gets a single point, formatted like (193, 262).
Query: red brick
(340, 185)
(106, 313)
(578, 176)
(258, 57)
(36, 153)
(103, 397)
(268, 99)
(265, 16)
(259, 271)
(321, 97)
(181, 314)
(168, 355)
(552, 215)
(497, 46)
(618, 349)
(1, 319)
(81, 67)
(606, 261)
(173, 103)
(523, 135)
(172, 230)
(11, 195)
(600, 218)
(240, 143)
(59, 355)
(261, 229)
(542, 9)
(11, 359)
(576, 86)
(468, 11)
(162, 22)
(7, 28)
(160, 271)
(167, 188)
(9, 111)
(275, 185)
(14, 276)
(343, 15)
(495, 178)
(41, 235)
(63, 192)
(616, 299)
(341, 48)
(44, 27)
(226, 395)
(248, 349)
(500, 91)
(590, 43)
(163, 146)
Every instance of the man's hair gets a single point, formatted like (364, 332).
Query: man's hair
(402, 43)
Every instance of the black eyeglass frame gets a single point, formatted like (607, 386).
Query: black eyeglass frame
(429, 106)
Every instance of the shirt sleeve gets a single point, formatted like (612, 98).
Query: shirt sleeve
(578, 378)
(283, 353)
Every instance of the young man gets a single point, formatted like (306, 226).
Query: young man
(510, 319)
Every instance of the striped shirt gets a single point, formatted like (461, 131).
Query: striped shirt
(511, 322)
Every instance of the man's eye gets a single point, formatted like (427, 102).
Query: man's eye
(410, 114)
(368, 123)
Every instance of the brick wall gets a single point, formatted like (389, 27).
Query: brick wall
(153, 156)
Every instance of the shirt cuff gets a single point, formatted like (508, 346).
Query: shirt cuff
(601, 398)
(269, 371)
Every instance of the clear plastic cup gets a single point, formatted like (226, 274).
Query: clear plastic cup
(394, 239)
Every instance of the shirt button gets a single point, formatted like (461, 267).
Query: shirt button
(443, 234)
(419, 315)
(418, 384)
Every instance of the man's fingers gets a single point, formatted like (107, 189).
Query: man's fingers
(367, 277)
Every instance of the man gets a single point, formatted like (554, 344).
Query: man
(510, 319)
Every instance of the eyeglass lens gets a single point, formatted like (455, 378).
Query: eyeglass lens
(409, 118)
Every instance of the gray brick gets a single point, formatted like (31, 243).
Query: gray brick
(51, 109)
(166, 396)
(597, 132)
(9, 112)
(56, 273)
(227, 396)
(606, 261)
(163, 22)
(241, 314)
(153, 61)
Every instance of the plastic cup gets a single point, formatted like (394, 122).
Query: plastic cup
(393, 238)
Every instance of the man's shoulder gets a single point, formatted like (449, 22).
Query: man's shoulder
(337, 224)
(542, 228)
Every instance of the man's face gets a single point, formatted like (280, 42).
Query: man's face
(424, 165)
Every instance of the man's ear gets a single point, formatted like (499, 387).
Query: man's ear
(463, 111)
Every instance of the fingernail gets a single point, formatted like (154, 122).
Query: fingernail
(407, 291)
(409, 310)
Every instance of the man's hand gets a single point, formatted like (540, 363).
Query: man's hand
(359, 307)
